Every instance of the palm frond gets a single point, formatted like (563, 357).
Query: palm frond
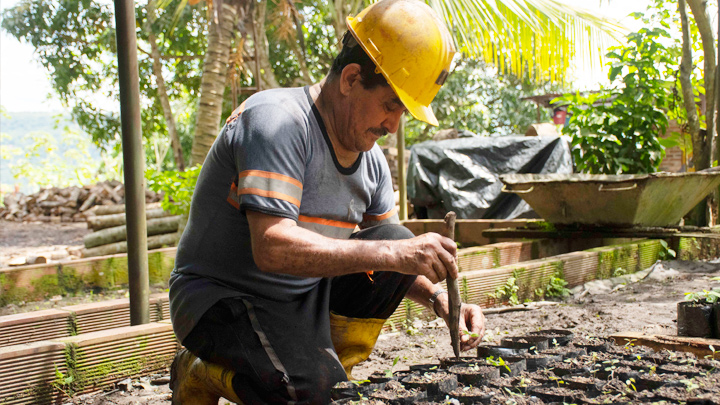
(536, 39)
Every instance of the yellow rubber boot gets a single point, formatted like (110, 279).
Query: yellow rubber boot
(354, 339)
(197, 382)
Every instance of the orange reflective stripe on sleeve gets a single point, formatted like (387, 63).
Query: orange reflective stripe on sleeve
(327, 222)
(270, 175)
(269, 194)
(236, 113)
(270, 185)
(368, 217)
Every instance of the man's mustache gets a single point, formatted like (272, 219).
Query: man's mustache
(378, 131)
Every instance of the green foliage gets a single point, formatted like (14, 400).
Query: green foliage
(177, 188)
(665, 252)
(617, 130)
(710, 297)
(475, 98)
(507, 292)
(40, 159)
(557, 287)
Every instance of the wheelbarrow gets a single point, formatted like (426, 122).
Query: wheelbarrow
(625, 200)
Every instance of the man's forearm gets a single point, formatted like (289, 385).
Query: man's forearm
(280, 246)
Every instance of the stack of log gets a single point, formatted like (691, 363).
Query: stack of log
(110, 232)
(70, 204)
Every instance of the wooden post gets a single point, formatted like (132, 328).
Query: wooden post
(133, 161)
(402, 185)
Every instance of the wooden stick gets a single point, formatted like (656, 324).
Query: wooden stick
(453, 292)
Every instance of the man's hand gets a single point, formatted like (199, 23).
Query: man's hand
(430, 255)
(472, 326)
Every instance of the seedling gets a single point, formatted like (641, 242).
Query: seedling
(611, 367)
(629, 343)
(709, 297)
(557, 380)
(471, 334)
(690, 385)
(498, 363)
(653, 370)
(712, 349)
(389, 372)
(630, 383)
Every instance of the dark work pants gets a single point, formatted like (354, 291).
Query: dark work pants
(281, 352)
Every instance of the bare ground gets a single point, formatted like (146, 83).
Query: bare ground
(18, 239)
(648, 305)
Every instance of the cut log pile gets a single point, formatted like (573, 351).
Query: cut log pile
(110, 233)
(70, 204)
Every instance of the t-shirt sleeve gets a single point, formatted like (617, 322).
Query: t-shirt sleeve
(270, 148)
(382, 209)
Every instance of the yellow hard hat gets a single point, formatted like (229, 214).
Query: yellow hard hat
(410, 46)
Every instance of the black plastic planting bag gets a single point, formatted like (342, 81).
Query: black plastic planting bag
(462, 175)
(694, 318)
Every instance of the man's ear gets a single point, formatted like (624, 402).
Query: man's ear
(350, 77)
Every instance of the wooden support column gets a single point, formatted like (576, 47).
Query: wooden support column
(402, 185)
(133, 161)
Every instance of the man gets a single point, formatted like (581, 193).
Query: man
(273, 289)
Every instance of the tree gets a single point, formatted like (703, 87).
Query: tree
(703, 141)
(617, 130)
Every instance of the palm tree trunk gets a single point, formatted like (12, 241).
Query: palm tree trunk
(698, 8)
(702, 19)
(165, 104)
(267, 76)
(212, 86)
(698, 140)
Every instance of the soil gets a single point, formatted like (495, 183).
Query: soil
(63, 240)
(648, 306)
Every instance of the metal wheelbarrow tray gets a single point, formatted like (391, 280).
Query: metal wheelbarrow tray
(652, 200)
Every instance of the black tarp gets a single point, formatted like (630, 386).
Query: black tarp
(462, 174)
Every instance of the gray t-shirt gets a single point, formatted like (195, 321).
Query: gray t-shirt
(272, 156)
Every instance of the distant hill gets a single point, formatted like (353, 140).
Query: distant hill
(19, 125)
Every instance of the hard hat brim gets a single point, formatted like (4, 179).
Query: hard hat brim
(422, 112)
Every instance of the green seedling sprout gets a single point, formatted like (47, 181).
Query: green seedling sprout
(389, 372)
(471, 334)
(712, 349)
(612, 366)
(557, 380)
(690, 385)
(630, 383)
(498, 363)
(710, 297)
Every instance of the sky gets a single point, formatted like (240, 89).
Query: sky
(25, 86)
